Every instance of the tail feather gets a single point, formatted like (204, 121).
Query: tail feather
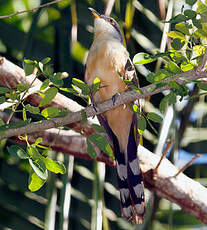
(129, 176)
(135, 181)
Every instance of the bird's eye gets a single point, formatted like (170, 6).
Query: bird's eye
(112, 21)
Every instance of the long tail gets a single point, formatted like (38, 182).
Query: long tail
(129, 176)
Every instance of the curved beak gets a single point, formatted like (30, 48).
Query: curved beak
(95, 13)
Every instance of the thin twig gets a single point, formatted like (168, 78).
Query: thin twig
(187, 165)
(166, 150)
(31, 10)
(23, 96)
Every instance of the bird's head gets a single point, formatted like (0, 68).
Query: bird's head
(106, 26)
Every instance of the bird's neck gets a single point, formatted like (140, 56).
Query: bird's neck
(101, 35)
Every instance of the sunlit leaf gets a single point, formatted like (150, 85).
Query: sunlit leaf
(45, 60)
(81, 85)
(176, 34)
(143, 58)
(28, 69)
(54, 166)
(38, 169)
(35, 182)
(182, 28)
(96, 85)
(38, 140)
(187, 66)
(50, 112)
(199, 49)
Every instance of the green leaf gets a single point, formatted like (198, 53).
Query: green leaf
(2, 99)
(28, 61)
(16, 150)
(50, 112)
(98, 128)
(202, 8)
(4, 90)
(32, 109)
(182, 28)
(175, 69)
(176, 34)
(150, 77)
(161, 74)
(84, 117)
(45, 84)
(154, 117)
(142, 124)
(96, 85)
(190, 14)
(199, 49)
(45, 60)
(177, 44)
(172, 99)
(81, 85)
(56, 79)
(163, 104)
(143, 58)
(90, 149)
(187, 66)
(28, 69)
(102, 143)
(49, 95)
(24, 114)
(35, 182)
(38, 169)
(136, 108)
(33, 152)
(191, 2)
(38, 140)
(54, 166)
(197, 23)
(202, 86)
(177, 18)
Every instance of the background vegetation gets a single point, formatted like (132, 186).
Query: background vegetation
(64, 32)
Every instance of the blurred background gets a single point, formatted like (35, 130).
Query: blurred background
(64, 32)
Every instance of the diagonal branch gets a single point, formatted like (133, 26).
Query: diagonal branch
(125, 97)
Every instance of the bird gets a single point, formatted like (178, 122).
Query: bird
(109, 60)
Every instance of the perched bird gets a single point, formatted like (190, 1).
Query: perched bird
(109, 61)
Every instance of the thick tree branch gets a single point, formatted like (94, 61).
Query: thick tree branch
(125, 97)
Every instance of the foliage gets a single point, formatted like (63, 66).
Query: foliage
(187, 45)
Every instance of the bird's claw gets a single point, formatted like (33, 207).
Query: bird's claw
(94, 104)
(114, 98)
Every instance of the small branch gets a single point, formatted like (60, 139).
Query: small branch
(31, 10)
(187, 165)
(166, 150)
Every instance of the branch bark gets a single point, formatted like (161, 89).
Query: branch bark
(126, 97)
